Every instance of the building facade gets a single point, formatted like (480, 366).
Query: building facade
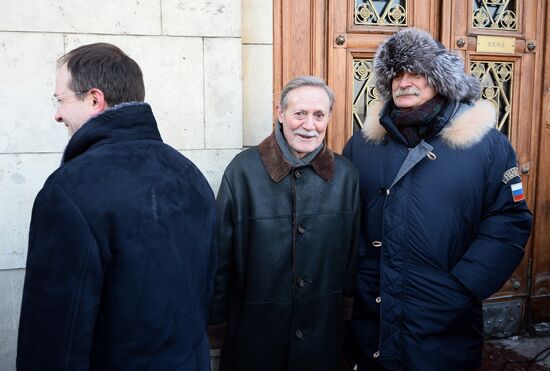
(212, 70)
(207, 67)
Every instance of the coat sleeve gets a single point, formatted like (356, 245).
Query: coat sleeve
(349, 291)
(62, 288)
(349, 284)
(212, 262)
(218, 305)
(347, 151)
(503, 231)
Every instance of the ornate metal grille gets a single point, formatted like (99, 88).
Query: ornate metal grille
(381, 13)
(496, 86)
(364, 91)
(495, 14)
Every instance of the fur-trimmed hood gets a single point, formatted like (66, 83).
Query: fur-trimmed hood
(467, 127)
(415, 50)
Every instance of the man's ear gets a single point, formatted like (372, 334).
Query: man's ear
(98, 100)
(279, 113)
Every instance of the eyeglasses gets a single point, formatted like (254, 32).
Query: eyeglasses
(56, 100)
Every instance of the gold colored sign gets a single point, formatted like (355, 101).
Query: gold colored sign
(494, 44)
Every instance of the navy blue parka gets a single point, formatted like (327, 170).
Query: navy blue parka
(120, 259)
(440, 232)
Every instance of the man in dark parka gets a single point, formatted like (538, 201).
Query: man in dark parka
(444, 215)
(120, 259)
(288, 227)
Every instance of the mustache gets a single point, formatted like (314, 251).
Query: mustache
(305, 133)
(408, 91)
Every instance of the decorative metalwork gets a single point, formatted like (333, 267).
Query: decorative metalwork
(496, 80)
(495, 14)
(364, 91)
(381, 13)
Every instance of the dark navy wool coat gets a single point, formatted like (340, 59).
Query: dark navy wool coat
(441, 232)
(119, 267)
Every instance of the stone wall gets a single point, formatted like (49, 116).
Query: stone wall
(208, 77)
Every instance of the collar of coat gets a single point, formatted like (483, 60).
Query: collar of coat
(122, 123)
(277, 167)
(467, 127)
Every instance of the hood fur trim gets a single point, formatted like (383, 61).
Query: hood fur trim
(470, 126)
(415, 50)
(277, 167)
(467, 127)
(372, 129)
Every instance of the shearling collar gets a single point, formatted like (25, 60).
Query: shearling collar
(467, 127)
(277, 167)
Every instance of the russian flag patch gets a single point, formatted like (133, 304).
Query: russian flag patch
(517, 192)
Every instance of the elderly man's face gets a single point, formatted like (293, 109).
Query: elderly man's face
(410, 90)
(305, 119)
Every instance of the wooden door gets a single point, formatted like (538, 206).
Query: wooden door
(500, 42)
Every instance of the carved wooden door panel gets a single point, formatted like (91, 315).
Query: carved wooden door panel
(500, 42)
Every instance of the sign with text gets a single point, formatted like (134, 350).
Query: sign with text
(495, 44)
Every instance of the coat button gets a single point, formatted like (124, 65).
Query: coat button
(376, 354)
(301, 229)
(301, 282)
(376, 244)
(378, 300)
(297, 174)
(384, 191)
(299, 334)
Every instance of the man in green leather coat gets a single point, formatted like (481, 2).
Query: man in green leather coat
(288, 230)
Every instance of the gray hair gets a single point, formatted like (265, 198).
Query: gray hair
(302, 81)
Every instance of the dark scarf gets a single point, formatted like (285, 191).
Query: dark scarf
(418, 123)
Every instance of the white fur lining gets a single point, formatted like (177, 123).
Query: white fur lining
(372, 129)
(465, 130)
(471, 126)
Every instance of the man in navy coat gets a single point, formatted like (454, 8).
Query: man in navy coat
(120, 259)
(444, 215)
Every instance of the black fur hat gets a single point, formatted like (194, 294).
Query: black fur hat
(415, 50)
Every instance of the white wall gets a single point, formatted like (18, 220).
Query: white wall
(208, 76)
(257, 70)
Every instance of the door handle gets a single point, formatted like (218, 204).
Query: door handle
(524, 168)
(340, 40)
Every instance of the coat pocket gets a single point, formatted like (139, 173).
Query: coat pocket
(438, 304)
